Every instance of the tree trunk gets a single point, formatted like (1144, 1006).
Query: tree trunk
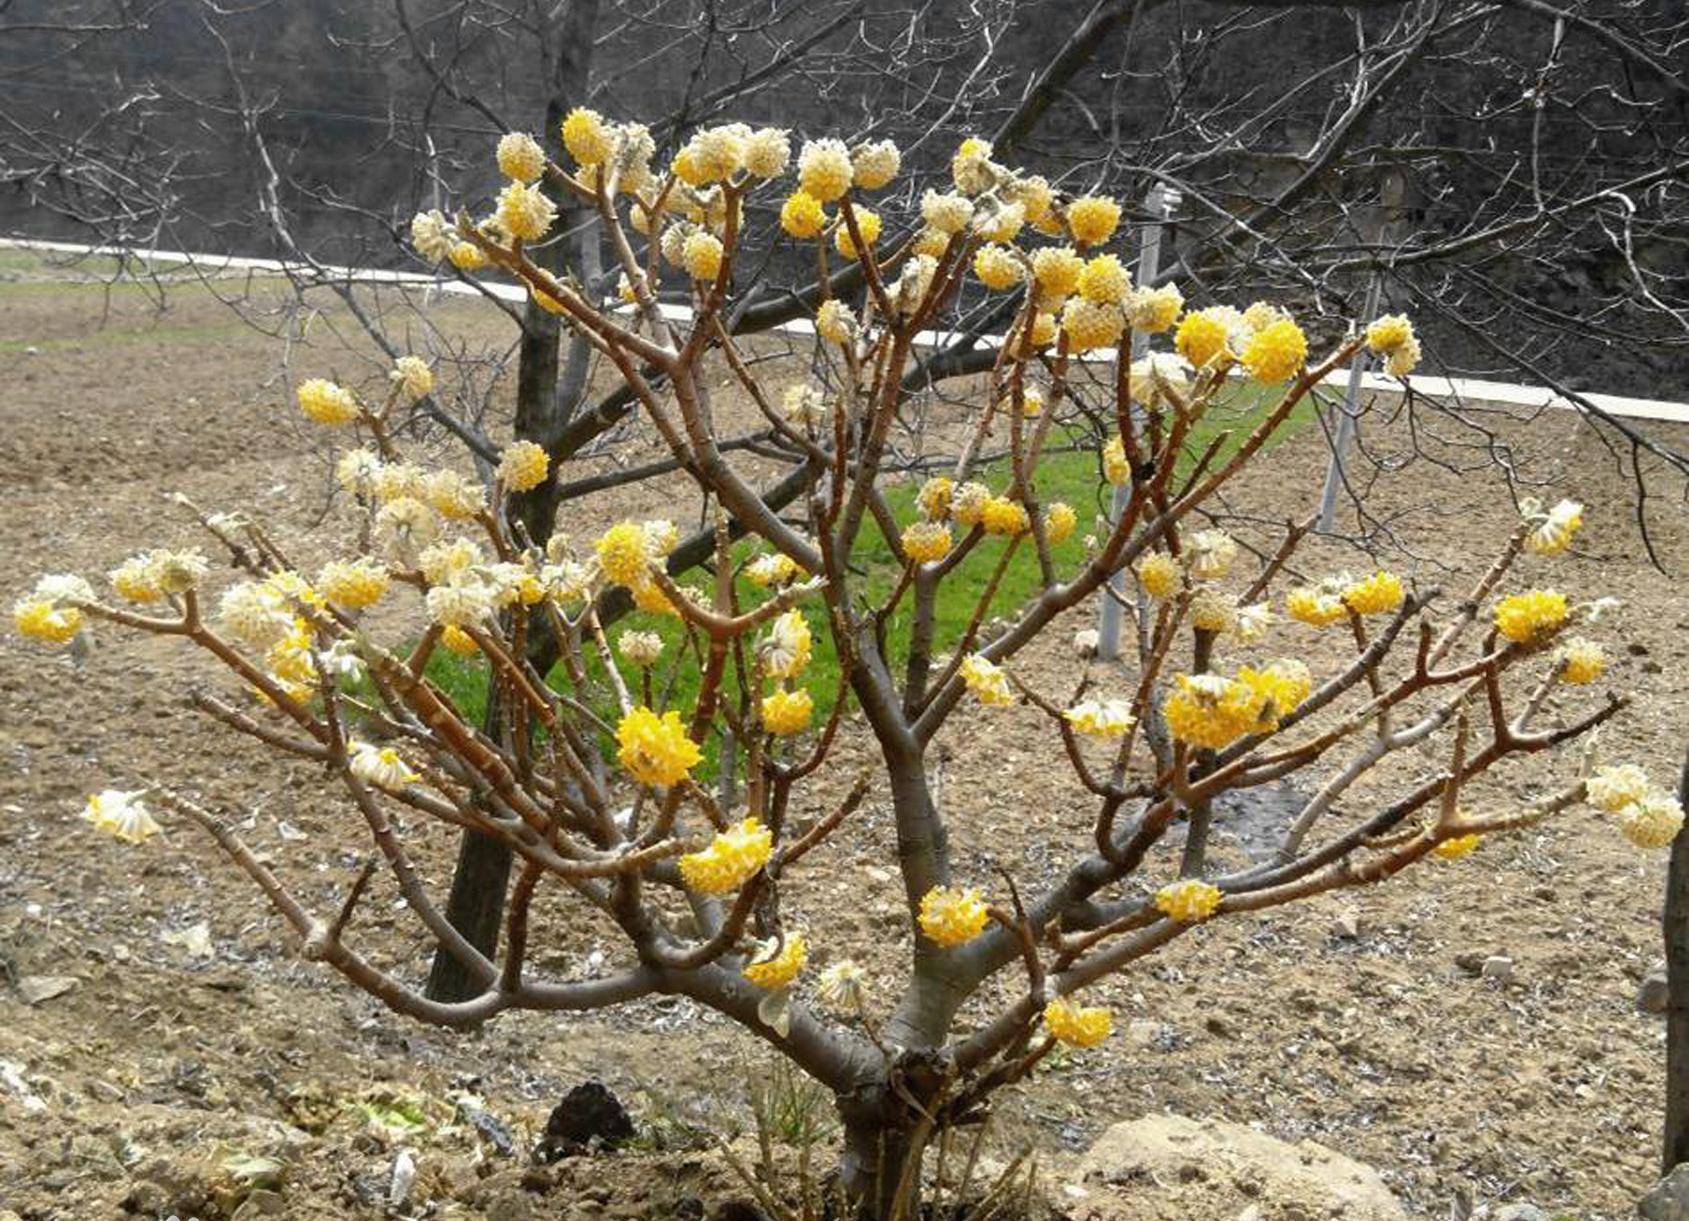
(482, 875)
(1676, 1149)
(877, 1148)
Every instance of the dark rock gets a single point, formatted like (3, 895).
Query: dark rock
(1669, 1201)
(1654, 996)
(589, 1117)
(738, 1210)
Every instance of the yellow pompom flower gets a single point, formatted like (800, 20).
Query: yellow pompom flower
(1077, 1025)
(1154, 310)
(951, 916)
(624, 554)
(1615, 786)
(986, 680)
(867, 223)
(525, 211)
(926, 541)
(1454, 848)
(121, 815)
(1276, 351)
(934, 497)
(1091, 324)
(775, 568)
(1188, 901)
(1581, 661)
(1115, 467)
(412, 377)
(967, 503)
(1376, 595)
(946, 211)
(1315, 607)
(788, 647)
(353, 584)
(458, 641)
(520, 156)
(522, 465)
(1159, 574)
(930, 242)
(730, 860)
(1555, 529)
(1212, 611)
(586, 136)
(802, 215)
(997, 267)
(1389, 334)
(1530, 618)
(835, 322)
(1104, 279)
(824, 169)
(1101, 718)
(1653, 822)
(1210, 711)
(655, 750)
(1056, 269)
(136, 579)
(42, 619)
(970, 165)
(1004, 517)
(787, 712)
(1060, 521)
(467, 256)
(1202, 337)
(874, 165)
(326, 403)
(782, 967)
(702, 255)
(1209, 554)
(1092, 219)
(1282, 686)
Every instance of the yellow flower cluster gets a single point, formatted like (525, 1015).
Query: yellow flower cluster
(522, 465)
(1276, 351)
(824, 169)
(782, 965)
(1378, 594)
(802, 215)
(867, 223)
(520, 156)
(1319, 606)
(586, 136)
(997, 267)
(702, 255)
(1060, 521)
(786, 651)
(1455, 847)
(1056, 270)
(835, 322)
(1004, 517)
(1092, 219)
(1089, 325)
(1104, 280)
(1116, 469)
(326, 403)
(1077, 1025)
(1531, 618)
(1581, 661)
(121, 815)
(1211, 711)
(353, 584)
(1615, 786)
(1554, 530)
(926, 541)
(1159, 574)
(1653, 822)
(1202, 336)
(986, 680)
(1188, 901)
(951, 916)
(1101, 718)
(525, 211)
(655, 750)
(933, 499)
(787, 712)
(1392, 337)
(624, 554)
(732, 857)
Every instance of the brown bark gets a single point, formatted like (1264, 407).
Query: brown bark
(1676, 1147)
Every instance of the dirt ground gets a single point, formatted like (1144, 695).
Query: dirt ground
(140, 1089)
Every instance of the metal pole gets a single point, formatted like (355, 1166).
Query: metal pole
(1334, 472)
(1160, 203)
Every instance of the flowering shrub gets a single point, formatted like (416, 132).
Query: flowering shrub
(609, 806)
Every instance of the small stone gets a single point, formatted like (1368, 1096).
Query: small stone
(589, 1116)
(1347, 925)
(1472, 964)
(1669, 1201)
(1498, 967)
(1085, 642)
(1654, 996)
(1219, 1027)
(37, 989)
(1521, 1212)
(1141, 1032)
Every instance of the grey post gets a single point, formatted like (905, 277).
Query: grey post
(1159, 203)
(1334, 473)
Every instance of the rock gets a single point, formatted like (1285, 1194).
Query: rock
(1654, 996)
(1669, 1201)
(1498, 967)
(1225, 1166)
(589, 1116)
(1520, 1212)
(37, 989)
(1470, 963)
(261, 1203)
(1085, 642)
(1347, 926)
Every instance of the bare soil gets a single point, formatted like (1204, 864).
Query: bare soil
(128, 1093)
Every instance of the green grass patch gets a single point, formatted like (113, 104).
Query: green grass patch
(1069, 476)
